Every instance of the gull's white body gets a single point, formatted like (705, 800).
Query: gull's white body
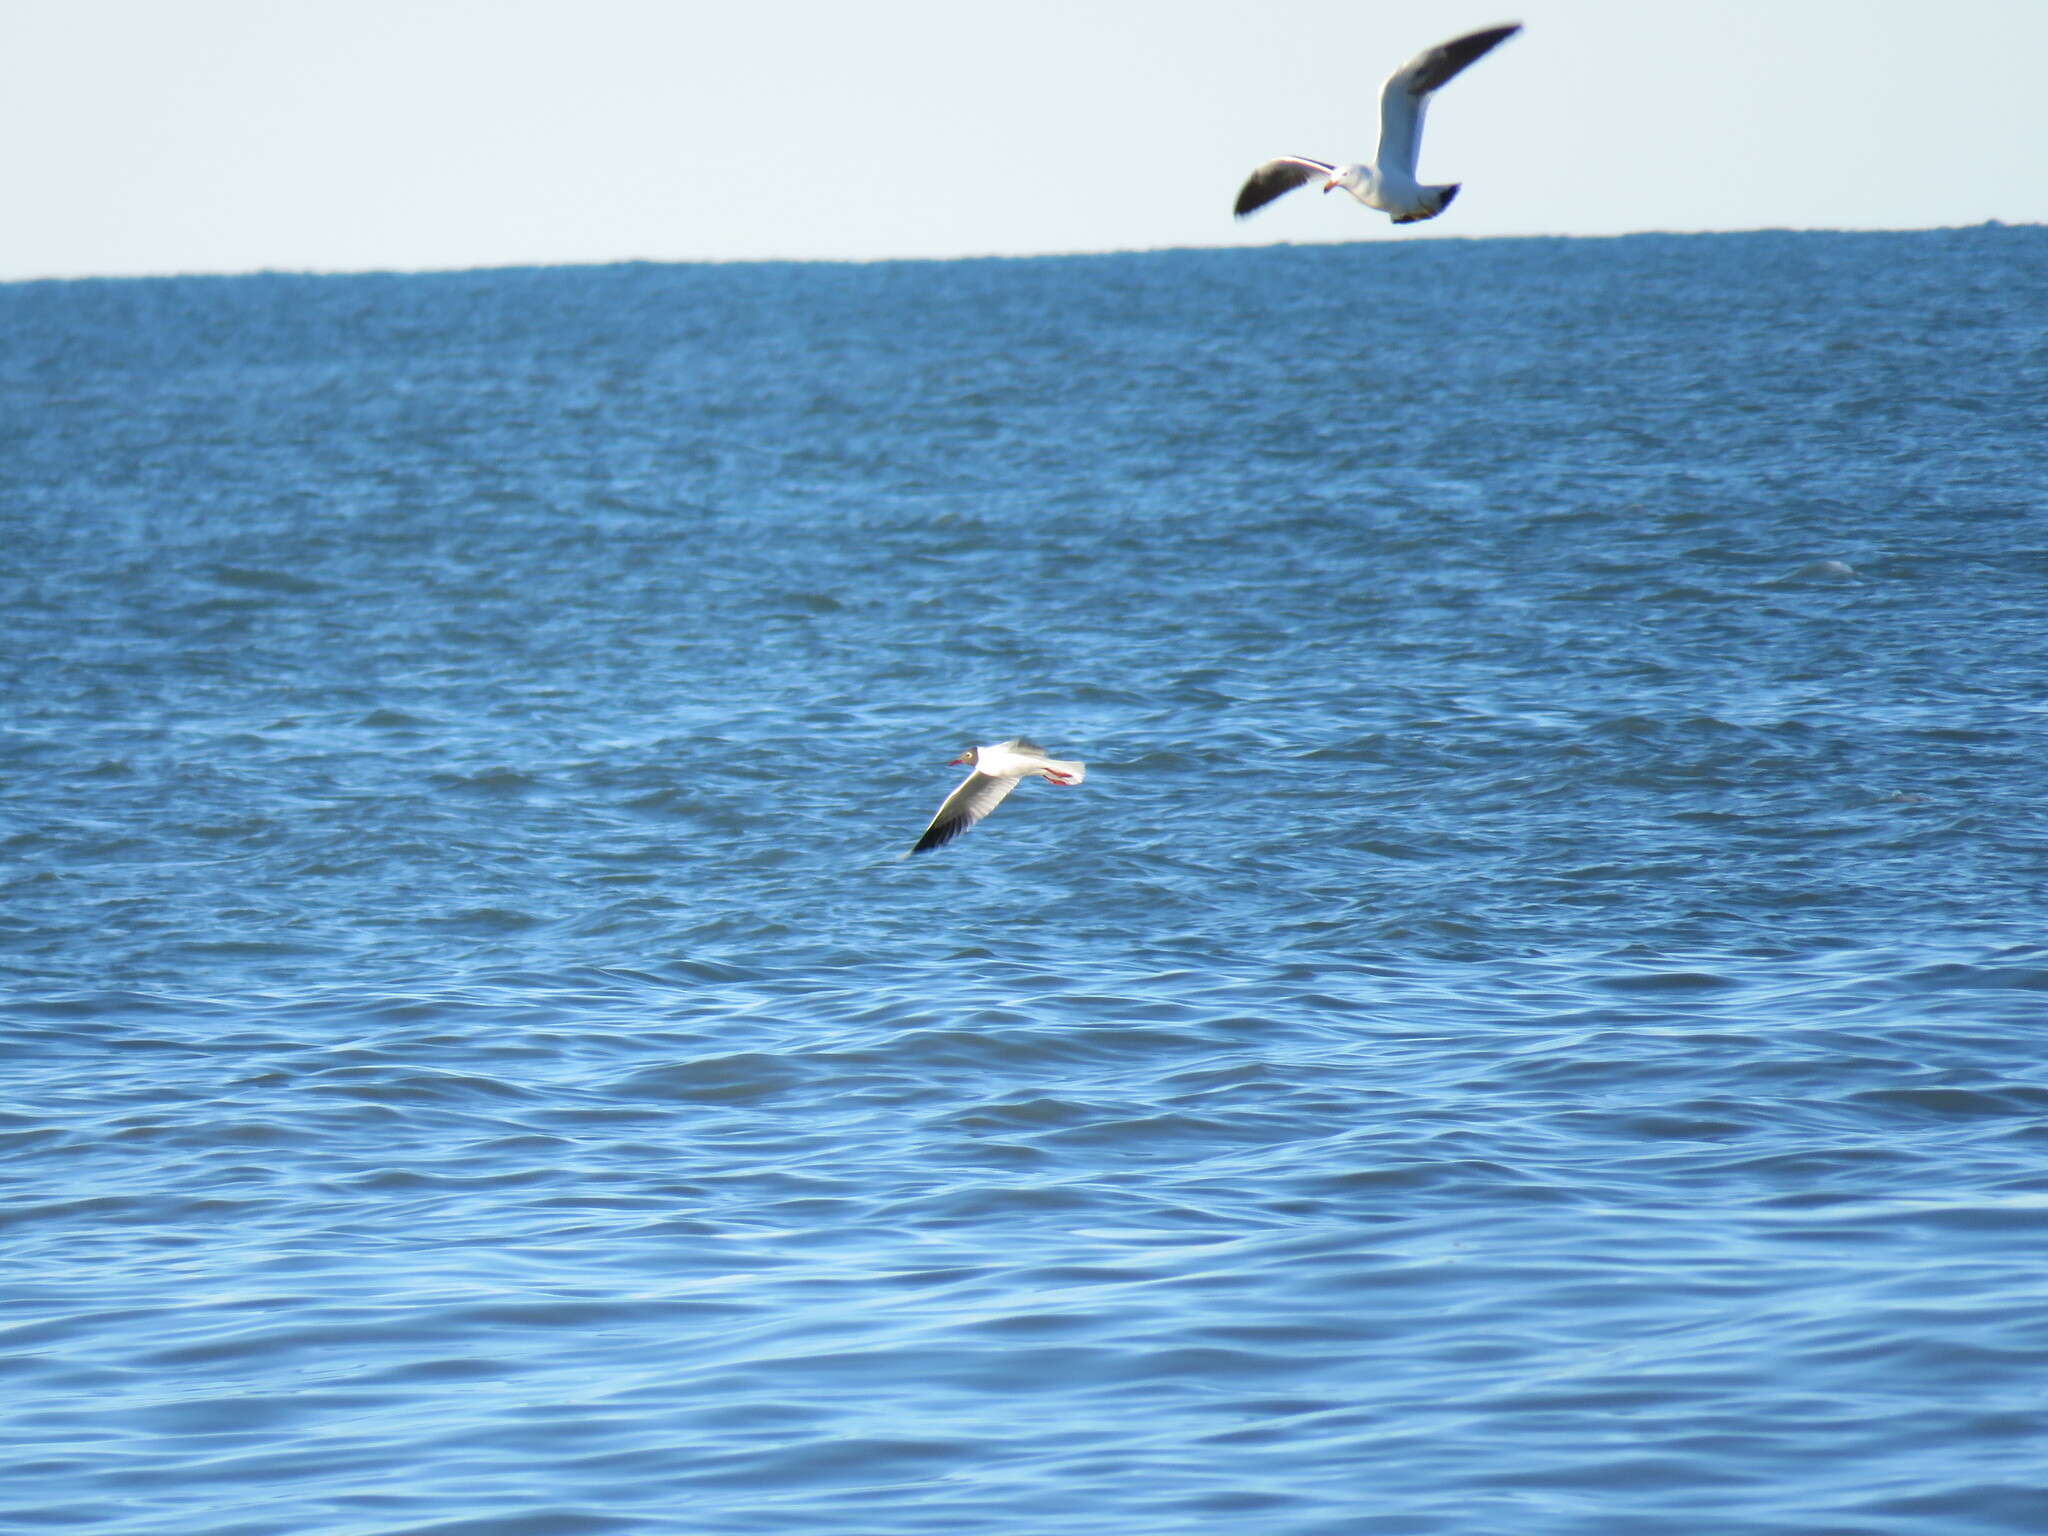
(1389, 182)
(997, 770)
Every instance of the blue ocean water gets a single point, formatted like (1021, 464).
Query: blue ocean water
(1534, 1022)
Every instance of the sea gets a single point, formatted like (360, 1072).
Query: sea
(1535, 1024)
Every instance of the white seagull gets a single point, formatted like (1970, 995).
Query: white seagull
(1388, 184)
(997, 770)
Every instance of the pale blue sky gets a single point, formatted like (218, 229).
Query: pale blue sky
(235, 135)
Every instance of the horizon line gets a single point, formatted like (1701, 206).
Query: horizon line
(1062, 255)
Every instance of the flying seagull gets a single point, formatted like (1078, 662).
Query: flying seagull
(997, 770)
(1388, 184)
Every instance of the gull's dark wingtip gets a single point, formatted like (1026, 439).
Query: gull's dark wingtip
(940, 833)
(1474, 44)
(1274, 178)
(1254, 195)
(1442, 62)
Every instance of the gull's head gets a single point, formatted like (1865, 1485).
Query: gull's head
(970, 755)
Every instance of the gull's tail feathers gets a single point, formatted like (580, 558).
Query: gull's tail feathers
(1444, 195)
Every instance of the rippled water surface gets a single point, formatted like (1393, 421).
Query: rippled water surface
(1534, 1022)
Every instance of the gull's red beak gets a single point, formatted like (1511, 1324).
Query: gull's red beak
(1330, 185)
(964, 757)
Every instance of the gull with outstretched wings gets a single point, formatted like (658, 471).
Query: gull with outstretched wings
(997, 770)
(1389, 183)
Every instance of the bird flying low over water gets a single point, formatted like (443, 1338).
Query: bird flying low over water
(1387, 184)
(997, 770)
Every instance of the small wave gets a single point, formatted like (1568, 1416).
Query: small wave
(247, 579)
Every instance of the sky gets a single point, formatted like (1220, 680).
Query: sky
(148, 137)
